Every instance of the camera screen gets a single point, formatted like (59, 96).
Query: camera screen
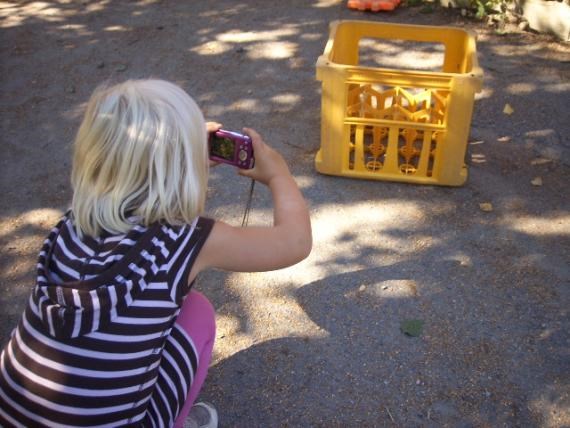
(222, 147)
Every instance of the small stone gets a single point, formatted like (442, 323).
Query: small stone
(121, 67)
(362, 288)
(101, 64)
(486, 207)
(537, 181)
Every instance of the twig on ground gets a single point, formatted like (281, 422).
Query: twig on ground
(389, 414)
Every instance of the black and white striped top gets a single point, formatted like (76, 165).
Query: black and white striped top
(97, 344)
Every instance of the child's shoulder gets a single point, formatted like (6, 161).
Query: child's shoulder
(200, 226)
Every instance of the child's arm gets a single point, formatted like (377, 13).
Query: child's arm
(256, 249)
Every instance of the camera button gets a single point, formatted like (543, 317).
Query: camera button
(242, 155)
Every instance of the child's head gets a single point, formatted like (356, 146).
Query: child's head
(141, 151)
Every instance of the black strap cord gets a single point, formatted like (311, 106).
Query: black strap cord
(248, 204)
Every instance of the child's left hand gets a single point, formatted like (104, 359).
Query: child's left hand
(213, 127)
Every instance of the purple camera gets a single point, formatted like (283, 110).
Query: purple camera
(231, 148)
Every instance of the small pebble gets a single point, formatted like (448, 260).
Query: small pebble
(121, 67)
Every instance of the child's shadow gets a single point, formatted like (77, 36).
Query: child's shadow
(351, 371)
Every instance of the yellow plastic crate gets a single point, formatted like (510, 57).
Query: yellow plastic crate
(398, 125)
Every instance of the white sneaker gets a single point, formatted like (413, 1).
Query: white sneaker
(202, 415)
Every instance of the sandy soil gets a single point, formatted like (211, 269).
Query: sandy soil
(320, 344)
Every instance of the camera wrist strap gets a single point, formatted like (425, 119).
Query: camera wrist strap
(248, 204)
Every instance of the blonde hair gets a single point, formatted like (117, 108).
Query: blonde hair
(140, 151)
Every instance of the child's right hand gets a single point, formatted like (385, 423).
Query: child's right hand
(268, 162)
(256, 249)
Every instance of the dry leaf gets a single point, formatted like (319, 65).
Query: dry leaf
(537, 181)
(412, 328)
(486, 206)
(508, 109)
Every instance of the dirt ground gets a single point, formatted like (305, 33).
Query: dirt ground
(320, 343)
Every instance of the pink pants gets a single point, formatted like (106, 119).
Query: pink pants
(198, 318)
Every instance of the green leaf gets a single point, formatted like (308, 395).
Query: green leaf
(412, 328)
(481, 10)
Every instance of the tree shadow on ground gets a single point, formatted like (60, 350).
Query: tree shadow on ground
(347, 370)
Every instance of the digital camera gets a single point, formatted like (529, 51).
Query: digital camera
(231, 148)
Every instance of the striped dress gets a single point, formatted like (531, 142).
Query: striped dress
(97, 344)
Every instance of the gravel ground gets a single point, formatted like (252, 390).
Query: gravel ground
(321, 343)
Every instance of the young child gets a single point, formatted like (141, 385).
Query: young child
(112, 334)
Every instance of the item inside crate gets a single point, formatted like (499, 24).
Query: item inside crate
(416, 147)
